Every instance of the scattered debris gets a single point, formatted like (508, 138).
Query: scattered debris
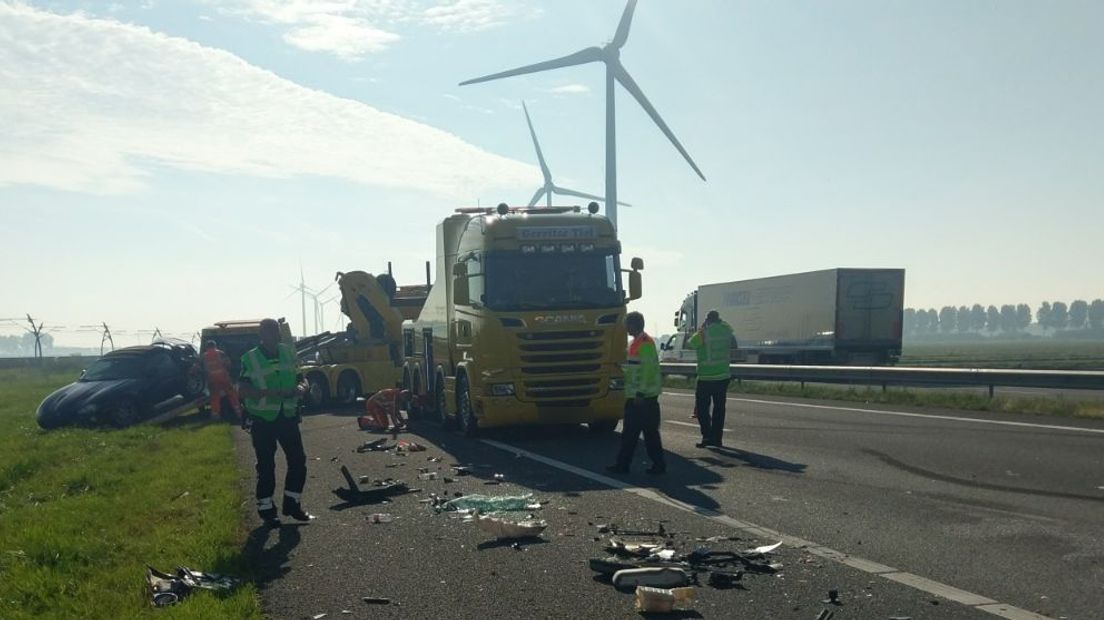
(833, 597)
(506, 529)
(489, 503)
(764, 549)
(380, 517)
(461, 470)
(653, 576)
(166, 589)
(409, 446)
(429, 475)
(355, 495)
(378, 445)
(825, 614)
(723, 580)
(375, 600)
(662, 601)
(318, 616)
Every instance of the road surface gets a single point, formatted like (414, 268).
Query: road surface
(907, 513)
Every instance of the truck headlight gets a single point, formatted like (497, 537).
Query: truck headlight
(617, 383)
(502, 389)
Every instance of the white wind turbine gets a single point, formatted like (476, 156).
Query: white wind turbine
(610, 54)
(549, 186)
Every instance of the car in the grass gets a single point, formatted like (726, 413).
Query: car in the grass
(125, 387)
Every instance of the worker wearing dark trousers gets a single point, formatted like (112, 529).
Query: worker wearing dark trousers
(713, 346)
(272, 390)
(642, 387)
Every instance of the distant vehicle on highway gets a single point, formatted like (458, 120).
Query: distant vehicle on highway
(125, 387)
(833, 316)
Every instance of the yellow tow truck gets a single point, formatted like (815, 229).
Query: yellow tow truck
(525, 321)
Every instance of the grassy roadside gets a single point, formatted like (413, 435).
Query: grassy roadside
(966, 401)
(83, 511)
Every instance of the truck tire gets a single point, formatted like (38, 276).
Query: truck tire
(447, 421)
(348, 388)
(318, 392)
(465, 415)
(602, 427)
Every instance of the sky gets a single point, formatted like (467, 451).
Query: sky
(168, 164)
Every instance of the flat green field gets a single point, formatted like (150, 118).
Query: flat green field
(83, 511)
(1030, 354)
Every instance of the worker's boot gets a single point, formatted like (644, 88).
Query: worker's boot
(269, 517)
(294, 509)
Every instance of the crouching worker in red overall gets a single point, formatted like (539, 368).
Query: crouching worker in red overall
(382, 410)
(219, 385)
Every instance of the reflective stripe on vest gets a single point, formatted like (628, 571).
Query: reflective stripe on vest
(715, 352)
(267, 374)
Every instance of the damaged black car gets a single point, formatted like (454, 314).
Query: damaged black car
(125, 387)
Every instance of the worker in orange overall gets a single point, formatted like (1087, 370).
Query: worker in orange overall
(217, 365)
(382, 410)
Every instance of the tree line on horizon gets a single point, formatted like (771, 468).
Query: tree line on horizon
(1007, 319)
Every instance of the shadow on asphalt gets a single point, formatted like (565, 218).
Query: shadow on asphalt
(758, 461)
(572, 444)
(269, 564)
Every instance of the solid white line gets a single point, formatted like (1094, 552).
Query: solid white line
(692, 425)
(936, 588)
(906, 414)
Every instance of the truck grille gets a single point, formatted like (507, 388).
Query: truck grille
(577, 353)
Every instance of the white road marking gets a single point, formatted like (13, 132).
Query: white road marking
(692, 425)
(906, 414)
(923, 584)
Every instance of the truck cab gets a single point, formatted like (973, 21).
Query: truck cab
(238, 336)
(525, 321)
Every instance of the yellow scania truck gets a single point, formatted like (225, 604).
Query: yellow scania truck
(524, 323)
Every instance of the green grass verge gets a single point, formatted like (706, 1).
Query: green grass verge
(965, 401)
(83, 511)
(1028, 354)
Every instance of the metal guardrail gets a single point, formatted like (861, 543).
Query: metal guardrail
(886, 376)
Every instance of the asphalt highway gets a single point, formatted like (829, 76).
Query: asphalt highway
(906, 513)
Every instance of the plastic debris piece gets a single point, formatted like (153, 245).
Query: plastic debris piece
(379, 445)
(665, 554)
(765, 548)
(660, 600)
(490, 503)
(723, 580)
(357, 496)
(206, 581)
(506, 529)
(825, 614)
(609, 566)
(380, 517)
(376, 600)
(833, 597)
(318, 616)
(638, 549)
(461, 470)
(533, 506)
(429, 475)
(653, 576)
(409, 446)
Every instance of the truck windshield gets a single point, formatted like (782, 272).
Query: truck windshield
(514, 281)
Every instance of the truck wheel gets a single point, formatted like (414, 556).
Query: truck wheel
(602, 427)
(348, 388)
(465, 416)
(318, 391)
(447, 421)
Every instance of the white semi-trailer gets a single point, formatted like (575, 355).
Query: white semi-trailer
(834, 316)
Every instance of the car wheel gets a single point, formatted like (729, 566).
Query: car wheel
(125, 413)
(318, 391)
(348, 388)
(194, 384)
(602, 427)
(465, 415)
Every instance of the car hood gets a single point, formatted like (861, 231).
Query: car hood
(64, 405)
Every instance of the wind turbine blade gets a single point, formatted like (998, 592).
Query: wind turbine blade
(590, 54)
(623, 27)
(536, 196)
(563, 191)
(540, 156)
(325, 289)
(626, 80)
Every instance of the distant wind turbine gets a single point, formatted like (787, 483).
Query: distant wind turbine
(610, 54)
(303, 291)
(549, 186)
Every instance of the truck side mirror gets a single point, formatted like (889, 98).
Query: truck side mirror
(461, 296)
(637, 264)
(635, 286)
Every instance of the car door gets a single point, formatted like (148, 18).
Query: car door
(164, 376)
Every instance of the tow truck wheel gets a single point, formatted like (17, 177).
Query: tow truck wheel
(465, 417)
(602, 427)
(442, 404)
(348, 388)
(318, 391)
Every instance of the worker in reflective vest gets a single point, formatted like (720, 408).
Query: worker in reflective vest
(272, 390)
(219, 385)
(642, 387)
(381, 411)
(713, 346)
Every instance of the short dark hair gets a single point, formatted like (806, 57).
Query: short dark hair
(713, 315)
(635, 318)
